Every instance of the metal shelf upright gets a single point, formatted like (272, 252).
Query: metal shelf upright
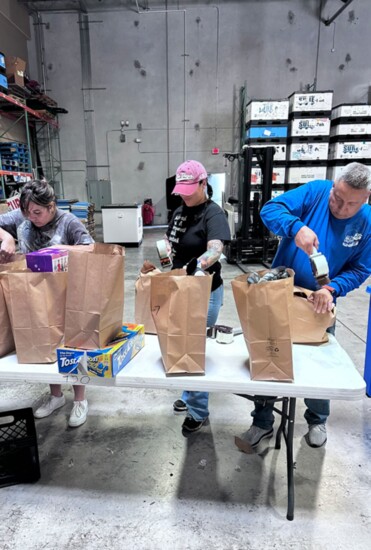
(17, 111)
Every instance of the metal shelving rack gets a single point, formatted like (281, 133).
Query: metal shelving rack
(17, 111)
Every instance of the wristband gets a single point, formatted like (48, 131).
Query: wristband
(331, 290)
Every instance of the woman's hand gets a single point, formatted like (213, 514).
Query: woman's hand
(7, 247)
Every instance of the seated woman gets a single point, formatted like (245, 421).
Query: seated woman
(38, 223)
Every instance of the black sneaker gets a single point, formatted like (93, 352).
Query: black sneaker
(179, 406)
(192, 425)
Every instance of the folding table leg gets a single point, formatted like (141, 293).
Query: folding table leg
(290, 460)
(282, 426)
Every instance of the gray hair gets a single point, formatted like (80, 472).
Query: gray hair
(39, 192)
(356, 175)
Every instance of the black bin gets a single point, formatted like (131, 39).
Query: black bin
(19, 456)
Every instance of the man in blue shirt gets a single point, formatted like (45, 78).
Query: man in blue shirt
(335, 219)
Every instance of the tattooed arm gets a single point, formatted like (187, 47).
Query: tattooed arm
(212, 254)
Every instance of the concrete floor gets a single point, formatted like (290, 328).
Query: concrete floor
(129, 479)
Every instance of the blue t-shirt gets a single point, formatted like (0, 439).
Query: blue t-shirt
(345, 243)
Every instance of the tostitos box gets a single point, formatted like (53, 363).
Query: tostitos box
(105, 362)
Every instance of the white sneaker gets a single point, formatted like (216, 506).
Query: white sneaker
(78, 414)
(317, 435)
(255, 435)
(49, 404)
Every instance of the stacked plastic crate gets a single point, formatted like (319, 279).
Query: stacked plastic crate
(15, 157)
(350, 138)
(3, 77)
(267, 126)
(309, 136)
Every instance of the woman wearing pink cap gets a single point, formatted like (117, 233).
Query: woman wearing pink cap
(197, 229)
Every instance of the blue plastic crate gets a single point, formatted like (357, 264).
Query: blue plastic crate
(266, 132)
(3, 81)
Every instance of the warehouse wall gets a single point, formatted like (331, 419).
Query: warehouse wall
(177, 75)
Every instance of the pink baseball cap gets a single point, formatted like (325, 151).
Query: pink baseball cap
(188, 176)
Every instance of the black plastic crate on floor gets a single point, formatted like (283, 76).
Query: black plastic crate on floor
(19, 456)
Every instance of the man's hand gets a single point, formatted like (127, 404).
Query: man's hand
(306, 239)
(322, 300)
(7, 249)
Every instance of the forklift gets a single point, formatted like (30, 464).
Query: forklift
(251, 241)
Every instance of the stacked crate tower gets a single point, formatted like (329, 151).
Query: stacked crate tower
(267, 126)
(350, 139)
(309, 136)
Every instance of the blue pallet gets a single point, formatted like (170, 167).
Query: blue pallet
(266, 132)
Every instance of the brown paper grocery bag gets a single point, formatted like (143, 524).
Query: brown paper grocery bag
(143, 315)
(95, 296)
(36, 305)
(307, 326)
(7, 344)
(6, 334)
(264, 312)
(179, 305)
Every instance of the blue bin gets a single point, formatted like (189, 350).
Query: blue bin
(367, 371)
(266, 132)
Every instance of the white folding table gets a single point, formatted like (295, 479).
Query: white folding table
(320, 372)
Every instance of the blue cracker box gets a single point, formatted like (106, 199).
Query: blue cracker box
(105, 362)
(48, 260)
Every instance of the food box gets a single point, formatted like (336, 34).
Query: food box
(106, 362)
(308, 151)
(267, 110)
(352, 129)
(47, 260)
(311, 101)
(310, 127)
(278, 175)
(349, 110)
(350, 150)
(303, 174)
(280, 153)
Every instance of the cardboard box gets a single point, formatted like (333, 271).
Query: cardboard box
(267, 110)
(280, 153)
(308, 151)
(350, 150)
(105, 362)
(15, 68)
(351, 129)
(349, 110)
(310, 127)
(303, 174)
(47, 260)
(311, 101)
(278, 175)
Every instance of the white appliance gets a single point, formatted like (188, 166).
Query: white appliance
(122, 224)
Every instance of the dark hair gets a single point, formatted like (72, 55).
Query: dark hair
(39, 192)
(209, 190)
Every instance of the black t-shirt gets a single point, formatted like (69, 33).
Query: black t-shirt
(191, 228)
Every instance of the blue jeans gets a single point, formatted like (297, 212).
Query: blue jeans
(198, 401)
(317, 412)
